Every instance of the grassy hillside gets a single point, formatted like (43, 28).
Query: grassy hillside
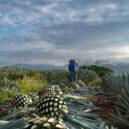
(17, 80)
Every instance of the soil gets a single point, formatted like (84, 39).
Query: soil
(107, 110)
(3, 111)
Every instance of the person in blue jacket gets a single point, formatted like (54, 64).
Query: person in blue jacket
(72, 67)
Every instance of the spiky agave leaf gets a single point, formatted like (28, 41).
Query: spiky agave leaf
(118, 90)
(18, 124)
(12, 114)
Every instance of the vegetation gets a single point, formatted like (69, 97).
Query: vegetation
(6, 95)
(56, 76)
(28, 85)
(100, 70)
(75, 96)
(87, 75)
(15, 80)
(97, 81)
(27, 81)
(117, 92)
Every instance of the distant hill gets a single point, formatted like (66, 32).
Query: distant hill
(40, 67)
(117, 68)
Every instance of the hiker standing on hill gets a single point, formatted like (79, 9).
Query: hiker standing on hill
(73, 65)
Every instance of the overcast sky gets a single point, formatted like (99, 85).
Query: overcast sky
(53, 31)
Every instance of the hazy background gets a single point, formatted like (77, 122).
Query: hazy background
(53, 31)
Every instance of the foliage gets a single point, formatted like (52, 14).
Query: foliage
(28, 85)
(8, 85)
(86, 75)
(20, 81)
(117, 92)
(6, 95)
(18, 73)
(97, 81)
(100, 70)
(56, 76)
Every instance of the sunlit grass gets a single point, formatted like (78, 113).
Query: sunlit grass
(6, 95)
(28, 85)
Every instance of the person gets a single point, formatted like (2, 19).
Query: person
(72, 67)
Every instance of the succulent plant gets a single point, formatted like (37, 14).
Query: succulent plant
(46, 91)
(56, 88)
(74, 85)
(80, 83)
(8, 85)
(56, 76)
(49, 106)
(45, 123)
(63, 85)
(34, 96)
(86, 75)
(20, 100)
(117, 93)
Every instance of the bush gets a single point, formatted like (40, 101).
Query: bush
(87, 75)
(100, 70)
(97, 81)
(56, 76)
(6, 95)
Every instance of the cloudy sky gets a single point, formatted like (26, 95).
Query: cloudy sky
(53, 31)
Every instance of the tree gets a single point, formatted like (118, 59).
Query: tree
(100, 70)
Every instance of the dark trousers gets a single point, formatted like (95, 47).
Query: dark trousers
(73, 77)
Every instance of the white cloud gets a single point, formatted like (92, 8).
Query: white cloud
(5, 20)
(47, 9)
(110, 6)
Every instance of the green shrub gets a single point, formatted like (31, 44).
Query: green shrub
(6, 95)
(87, 75)
(56, 76)
(97, 81)
(100, 70)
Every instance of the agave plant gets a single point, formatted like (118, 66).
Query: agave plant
(78, 116)
(8, 85)
(86, 75)
(56, 76)
(118, 89)
(117, 92)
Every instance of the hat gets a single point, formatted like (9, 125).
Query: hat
(71, 60)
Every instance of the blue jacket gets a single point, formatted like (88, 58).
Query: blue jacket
(72, 67)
